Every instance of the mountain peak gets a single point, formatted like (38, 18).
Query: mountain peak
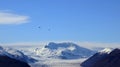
(65, 50)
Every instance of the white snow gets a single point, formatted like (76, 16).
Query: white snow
(106, 50)
(59, 63)
(63, 51)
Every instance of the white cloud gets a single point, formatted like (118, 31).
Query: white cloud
(89, 45)
(11, 18)
(98, 44)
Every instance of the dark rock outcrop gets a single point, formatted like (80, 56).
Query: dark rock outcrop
(92, 60)
(104, 60)
(10, 62)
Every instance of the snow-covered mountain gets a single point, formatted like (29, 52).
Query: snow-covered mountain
(15, 54)
(63, 51)
(97, 57)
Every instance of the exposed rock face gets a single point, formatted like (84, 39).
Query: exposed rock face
(9, 62)
(104, 60)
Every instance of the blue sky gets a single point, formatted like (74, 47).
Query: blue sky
(60, 20)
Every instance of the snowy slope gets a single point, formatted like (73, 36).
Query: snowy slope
(106, 50)
(63, 51)
(16, 54)
(97, 57)
(105, 58)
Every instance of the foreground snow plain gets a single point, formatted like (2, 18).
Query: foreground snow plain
(59, 63)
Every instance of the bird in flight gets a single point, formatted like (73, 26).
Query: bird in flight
(49, 29)
(39, 27)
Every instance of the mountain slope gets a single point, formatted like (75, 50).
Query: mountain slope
(15, 54)
(111, 59)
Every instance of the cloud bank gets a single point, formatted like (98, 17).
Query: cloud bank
(11, 18)
(89, 45)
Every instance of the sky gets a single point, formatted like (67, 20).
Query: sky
(60, 20)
